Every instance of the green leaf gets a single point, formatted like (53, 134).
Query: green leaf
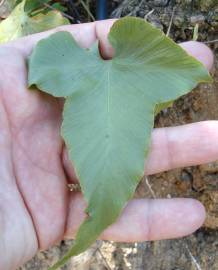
(109, 109)
(31, 5)
(195, 32)
(19, 24)
(162, 106)
(59, 7)
(35, 6)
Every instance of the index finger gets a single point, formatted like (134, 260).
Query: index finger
(84, 34)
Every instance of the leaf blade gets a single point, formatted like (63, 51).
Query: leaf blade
(109, 113)
(61, 82)
(158, 54)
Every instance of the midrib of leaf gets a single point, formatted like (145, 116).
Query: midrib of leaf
(108, 136)
(108, 102)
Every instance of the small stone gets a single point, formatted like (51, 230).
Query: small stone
(74, 187)
(157, 25)
(186, 176)
(197, 19)
(210, 168)
(41, 256)
(178, 20)
(160, 3)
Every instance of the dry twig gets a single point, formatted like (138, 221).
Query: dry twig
(211, 41)
(171, 21)
(2, 2)
(104, 259)
(63, 13)
(87, 10)
(149, 187)
(194, 261)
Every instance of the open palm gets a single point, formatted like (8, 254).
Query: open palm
(36, 208)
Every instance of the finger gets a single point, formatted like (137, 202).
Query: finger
(174, 147)
(200, 51)
(102, 30)
(182, 146)
(196, 49)
(144, 220)
(84, 34)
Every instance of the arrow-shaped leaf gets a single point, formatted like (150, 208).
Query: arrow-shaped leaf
(109, 109)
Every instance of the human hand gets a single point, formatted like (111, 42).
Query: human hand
(36, 208)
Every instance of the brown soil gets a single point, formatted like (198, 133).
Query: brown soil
(200, 250)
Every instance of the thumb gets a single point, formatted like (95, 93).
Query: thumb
(102, 31)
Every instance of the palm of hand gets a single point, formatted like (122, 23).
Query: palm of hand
(34, 189)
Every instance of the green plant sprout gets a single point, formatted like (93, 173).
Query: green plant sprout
(195, 32)
(109, 110)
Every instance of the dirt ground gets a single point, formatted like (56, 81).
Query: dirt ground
(200, 250)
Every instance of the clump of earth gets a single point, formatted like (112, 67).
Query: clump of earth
(200, 250)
